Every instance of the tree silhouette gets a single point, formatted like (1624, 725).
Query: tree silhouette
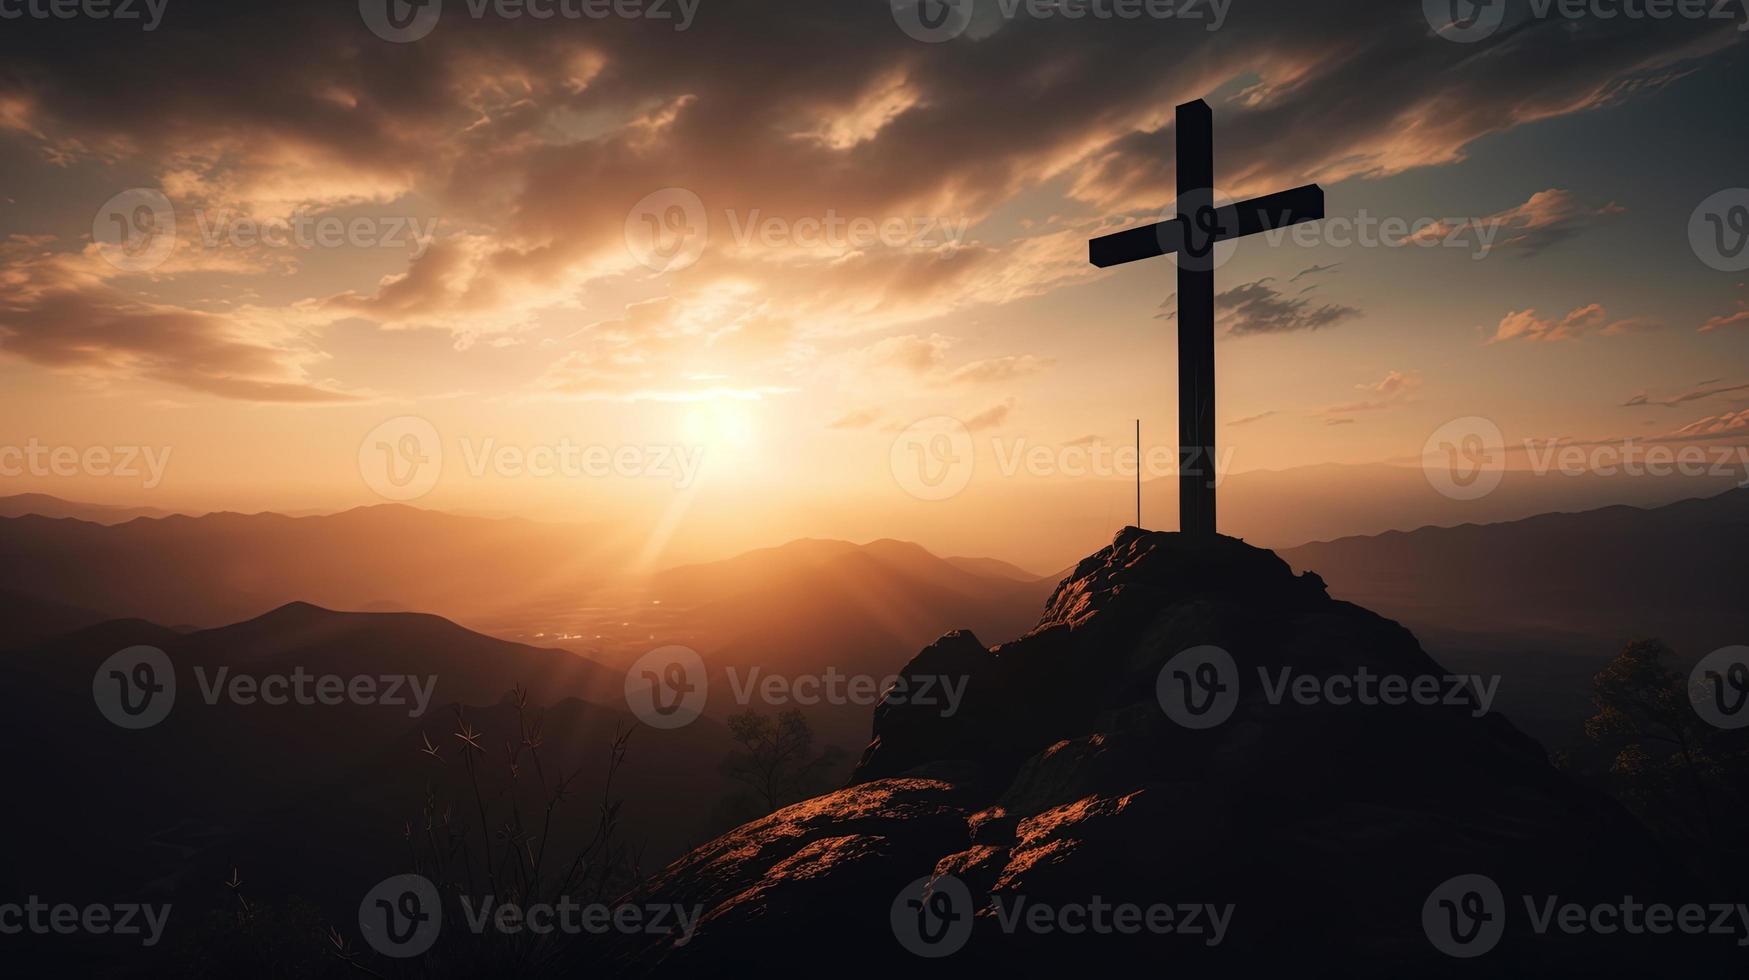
(1681, 775)
(775, 761)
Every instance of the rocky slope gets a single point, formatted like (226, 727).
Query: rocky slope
(1077, 790)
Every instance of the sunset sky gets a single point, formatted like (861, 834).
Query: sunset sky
(1552, 170)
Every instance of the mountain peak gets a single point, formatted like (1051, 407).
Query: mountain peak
(1074, 765)
(1141, 568)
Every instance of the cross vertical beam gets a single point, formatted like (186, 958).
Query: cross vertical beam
(1192, 235)
(1196, 326)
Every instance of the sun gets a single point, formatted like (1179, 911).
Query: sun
(725, 427)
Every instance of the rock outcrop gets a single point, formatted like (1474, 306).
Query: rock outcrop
(1077, 789)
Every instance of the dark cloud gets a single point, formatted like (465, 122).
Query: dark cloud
(1258, 308)
(539, 136)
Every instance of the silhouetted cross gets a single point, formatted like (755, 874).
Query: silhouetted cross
(1192, 234)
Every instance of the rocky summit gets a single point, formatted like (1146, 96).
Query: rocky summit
(1196, 762)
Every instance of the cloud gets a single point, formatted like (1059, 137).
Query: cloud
(858, 419)
(534, 145)
(910, 352)
(1395, 388)
(990, 417)
(63, 312)
(1312, 271)
(998, 369)
(1546, 218)
(1717, 424)
(1708, 389)
(1248, 419)
(1258, 308)
(1584, 321)
(925, 357)
(1737, 318)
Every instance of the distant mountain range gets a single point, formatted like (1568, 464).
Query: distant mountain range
(1675, 571)
(1546, 598)
(808, 605)
(310, 799)
(223, 567)
(43, 505)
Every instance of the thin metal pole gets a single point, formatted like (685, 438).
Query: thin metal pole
(1138, 474)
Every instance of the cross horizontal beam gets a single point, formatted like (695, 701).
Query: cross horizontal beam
(1260, 214)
